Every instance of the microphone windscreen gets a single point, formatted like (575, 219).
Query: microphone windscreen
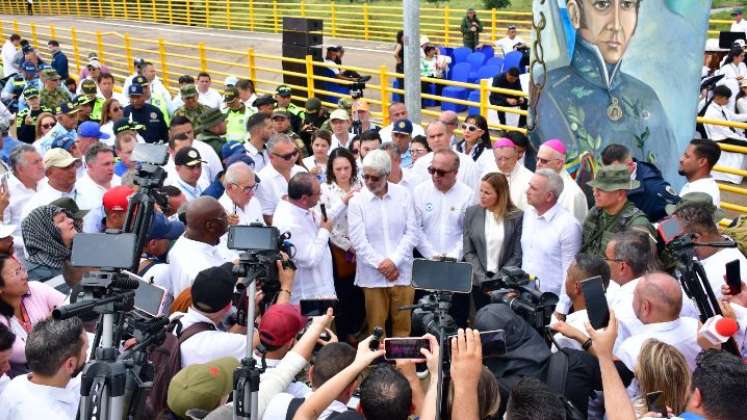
(726, 327)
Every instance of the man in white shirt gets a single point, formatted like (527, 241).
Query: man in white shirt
(181, 134)
(718, 110)
(397, 113)
(99, 177)
(274, 177)
(518, 176)
(10, 47)
(739, 24)
(23, 183)
(260, 130)
(696, 165)
(548, 258)
(60, 168)
(153, 266)
(510, 41)
(438, 140)
(56, 353)
(657, 303)
(188, 164)
(440, 206)
(310, 233)
(207, 95)
(196, 250)
(238, 199)
(551, 155)
(698, 216)
(383, 230)
(339, 121)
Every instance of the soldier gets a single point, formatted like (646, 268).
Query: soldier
(192, 108)
(236, 115)
(612, 212)
(90, 90)
(283, 99)
(26, 119)
(52, 95)
(212, 127)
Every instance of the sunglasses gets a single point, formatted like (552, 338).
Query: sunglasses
(248, 188)
(115, 109)
(470, 127)
(438, 172)
(287, 156)
(372, 178)
(47, 126)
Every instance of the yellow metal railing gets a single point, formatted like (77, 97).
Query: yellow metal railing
(360, 21)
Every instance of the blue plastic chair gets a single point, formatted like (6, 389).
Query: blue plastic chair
(427, 102)
(487, 50)
(474, 96)
(512, 59)
(495, 61)
(476, 59)
(487, 72)
(396, 97)
(332, 86)
(460, 73)
(460, 54)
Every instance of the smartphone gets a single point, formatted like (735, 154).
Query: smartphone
(655, 403)
(442, 275)
(493, 343)
(253, 238)
(734, 277)
(316, 307)
(324, 211)
(596, 302)
(669, 229)
(405, 348)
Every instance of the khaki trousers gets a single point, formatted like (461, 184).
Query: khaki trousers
(383, 303)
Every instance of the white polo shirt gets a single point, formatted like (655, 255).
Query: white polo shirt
(273, 187)
(706, 185)
(45, 195)
(90, 193)
(681, 333)
(441, 219)
(211, 98)
(187, 258)
(24, 400)
(261, 159)
(207, 346)
(469, 172)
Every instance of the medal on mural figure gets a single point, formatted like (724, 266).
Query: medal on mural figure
(614, 111)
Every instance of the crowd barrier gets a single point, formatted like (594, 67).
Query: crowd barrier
(116, 51)
(358, 21)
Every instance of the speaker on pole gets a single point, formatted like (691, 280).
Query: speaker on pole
(301, 37)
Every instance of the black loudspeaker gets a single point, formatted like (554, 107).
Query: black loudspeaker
(302, 24)
(298, 51)
(302, 38)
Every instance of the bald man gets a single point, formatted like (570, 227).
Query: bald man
(196, 250)
(451, 120)
(438, 140)
(657, 304)
(551, 155)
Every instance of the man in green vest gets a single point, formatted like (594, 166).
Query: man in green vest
(612, 211)
(89, 89)
(192, 108)
(283, 99)
(236, 115)
(212, 127)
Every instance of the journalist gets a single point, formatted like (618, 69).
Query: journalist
(278, 330)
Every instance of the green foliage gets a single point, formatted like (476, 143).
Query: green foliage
(496, 4)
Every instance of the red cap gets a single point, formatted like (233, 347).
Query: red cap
(726, 327)
(116, 198)
(280, 324)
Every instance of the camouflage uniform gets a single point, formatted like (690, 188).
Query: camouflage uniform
(600, 226)
(53, 99)
(192, 114)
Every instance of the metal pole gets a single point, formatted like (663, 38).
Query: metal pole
(412, 58)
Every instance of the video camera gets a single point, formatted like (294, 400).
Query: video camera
(513, 286)
(261, 246)
(357, 87)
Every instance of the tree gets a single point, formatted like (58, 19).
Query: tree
(496, 4)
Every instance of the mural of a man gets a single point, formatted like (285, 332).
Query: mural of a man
(591, 102)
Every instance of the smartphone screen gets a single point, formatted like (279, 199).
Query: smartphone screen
(405, 348)
(493, 343)
(316, 307)
(655, 403)
(596, 302)
(734, 277)
(669, 229)
(442, 275)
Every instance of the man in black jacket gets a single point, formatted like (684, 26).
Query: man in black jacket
(508, 80)
(146, 114)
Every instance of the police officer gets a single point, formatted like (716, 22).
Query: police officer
(151, 118)
(612, 211)
(26, 119)
(264, 104)
(89, 89)
(52, 95)
(281, 123)
(236, 115)
(654, 193)
(283, 99)
(212, 127)
(153, 99)
(191, 108)
(85, 108)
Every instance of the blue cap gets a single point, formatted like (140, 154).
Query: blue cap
(91, 129)
(163, 228)
(135, 90)
(62, 141)
(402, 127)
(29, 67)
(231, 148)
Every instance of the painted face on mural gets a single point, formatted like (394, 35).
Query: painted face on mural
(608, 24)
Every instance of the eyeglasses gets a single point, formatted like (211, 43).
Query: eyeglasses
(371, 178)
(614, 260)
(438, 172)
(248, 188)
(470, 127)
(115, 109)
(287, 156)
(48, 126)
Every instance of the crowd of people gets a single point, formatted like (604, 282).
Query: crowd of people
(360, 205)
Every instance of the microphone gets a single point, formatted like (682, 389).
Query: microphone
(718, 330)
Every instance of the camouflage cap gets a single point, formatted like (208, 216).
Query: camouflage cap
(84, 100)
(88, 86)
(612, 178)
(280, 112)
(50, 74)
(699, 199)
(210, 118)
(345, 103)
(230, 94)
(263, 100)
(188, 91)
(31, 92)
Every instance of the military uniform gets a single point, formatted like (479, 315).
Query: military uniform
(193, 114)
(53, 99)
(207, 120)
(600, 226)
